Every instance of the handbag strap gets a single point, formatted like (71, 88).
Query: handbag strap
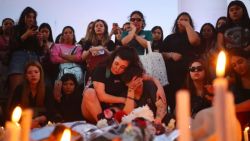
(72, 52)
(149, 47)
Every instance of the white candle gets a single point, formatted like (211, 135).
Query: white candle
(246, 134)
(183, 115)
(26, 124)
(12, 127)
(220, 85)
(66, 136)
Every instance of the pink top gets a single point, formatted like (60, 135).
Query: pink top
(58, 49)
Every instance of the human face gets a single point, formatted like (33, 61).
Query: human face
(99, 28)
(220, 23)
(33, 75)
(137, 21)
(156, 35)
(45, 33)
(207, 32)
(196, 71)
(182, 18)
(240, 65)
(119, 66)
(68, 87)
(68, 35)
(126, 27)
(235, 12)
(8, 24)
(30, 19)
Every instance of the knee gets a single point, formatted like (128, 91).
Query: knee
(89, 95)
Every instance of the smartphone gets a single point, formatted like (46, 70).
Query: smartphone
(101, 52)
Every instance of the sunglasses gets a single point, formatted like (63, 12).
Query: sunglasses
(196, 69)
(135, 19)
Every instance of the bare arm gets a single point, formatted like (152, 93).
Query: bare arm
(129, 37)
(129, 103)
(193, 37)
(142, 41)
(160, 94)
(243, 106)
(105, 97)
(220, 40)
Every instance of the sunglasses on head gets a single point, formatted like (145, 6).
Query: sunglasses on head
(135, 19)
(196, 69)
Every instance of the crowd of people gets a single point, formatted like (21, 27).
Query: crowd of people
(67, 80)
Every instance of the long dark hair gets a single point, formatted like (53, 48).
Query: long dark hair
(189, 82)
(158, 27)
(67, 77)
(74, 36)
(141, 15)
(176, 28)
(125, 53)
(245, 18)
(25, 12)
(46, 25)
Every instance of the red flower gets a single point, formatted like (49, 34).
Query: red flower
(118, 116)
(140, 122)
(108, 113)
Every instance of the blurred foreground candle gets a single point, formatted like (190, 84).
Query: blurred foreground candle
(66, 136)
(220, 85)
(246, 133)
(183, 115)
(26, 124)
(12, 127)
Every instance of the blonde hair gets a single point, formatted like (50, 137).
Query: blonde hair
(40, 88)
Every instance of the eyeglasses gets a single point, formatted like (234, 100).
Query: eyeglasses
(135, 19)
(196, 69)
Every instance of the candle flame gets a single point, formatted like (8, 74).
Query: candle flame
(16, 114)
(221, 64)
(66, 135)
(246, 129)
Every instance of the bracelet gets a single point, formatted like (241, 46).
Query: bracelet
(130, 98)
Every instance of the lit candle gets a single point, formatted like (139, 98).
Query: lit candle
(220, 89)
(246, 134)
(66, 136)
(26, 124)
(13, 128)
(183, 115)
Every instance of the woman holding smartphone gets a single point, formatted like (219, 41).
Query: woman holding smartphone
(25, 45)
(98, 46)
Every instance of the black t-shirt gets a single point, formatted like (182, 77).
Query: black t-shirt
(240, 94)
(236, 35)
(69, 109)
(148, 95)
(113, 83)
(110, 45)
(177, 70)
